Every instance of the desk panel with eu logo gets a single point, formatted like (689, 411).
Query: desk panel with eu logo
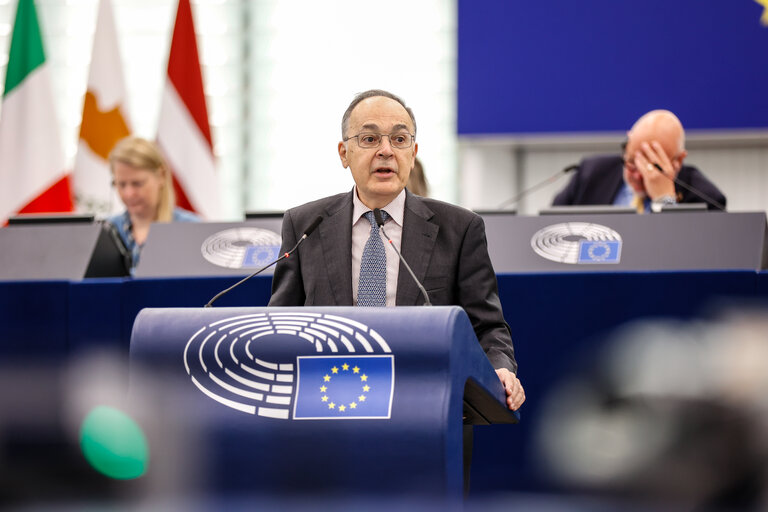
(210, 248)
(620, 242)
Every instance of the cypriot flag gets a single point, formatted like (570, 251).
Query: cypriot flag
(32, 174)
(105, 120)
(184, 134)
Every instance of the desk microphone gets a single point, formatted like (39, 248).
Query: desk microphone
(691, 189)
(537, 186)
(380, 223)
(307, 232)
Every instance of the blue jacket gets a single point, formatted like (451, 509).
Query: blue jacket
(122, 223)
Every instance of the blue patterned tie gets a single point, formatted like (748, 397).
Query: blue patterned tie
(372, 288)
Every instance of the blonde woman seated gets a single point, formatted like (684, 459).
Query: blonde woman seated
(144, 184)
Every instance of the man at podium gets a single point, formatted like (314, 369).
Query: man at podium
(648, 175)
(347, 262)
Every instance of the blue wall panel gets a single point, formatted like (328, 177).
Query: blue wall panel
(597, 65)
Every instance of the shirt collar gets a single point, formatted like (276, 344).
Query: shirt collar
(395, 209)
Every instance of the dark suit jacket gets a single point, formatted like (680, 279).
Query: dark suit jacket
(598, 179)
(444, 244)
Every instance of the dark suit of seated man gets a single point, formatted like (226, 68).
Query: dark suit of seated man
(642, 178)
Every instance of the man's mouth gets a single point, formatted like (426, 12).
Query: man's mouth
(383, 171)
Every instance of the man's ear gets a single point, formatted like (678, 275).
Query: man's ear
(343, 154)
(680, 159)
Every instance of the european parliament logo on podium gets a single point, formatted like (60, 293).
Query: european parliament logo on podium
(292, 365)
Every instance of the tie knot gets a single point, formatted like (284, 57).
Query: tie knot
(372, 219)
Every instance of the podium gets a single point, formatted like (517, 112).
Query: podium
(331, 400)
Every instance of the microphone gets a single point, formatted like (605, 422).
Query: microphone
(307, 232)
(380, 222)
(537, 186)
(693, 190)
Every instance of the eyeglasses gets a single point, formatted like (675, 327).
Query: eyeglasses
(368, 140)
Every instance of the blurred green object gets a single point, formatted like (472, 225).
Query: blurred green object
(114, 444)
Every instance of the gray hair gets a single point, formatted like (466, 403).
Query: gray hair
(370, 94)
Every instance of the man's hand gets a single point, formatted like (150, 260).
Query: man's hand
(513, 388)
(646, 160)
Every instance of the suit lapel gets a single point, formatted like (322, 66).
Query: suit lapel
(418, 242)
(336, 236)
(682, 194)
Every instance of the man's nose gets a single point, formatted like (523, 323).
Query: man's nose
(385, 148)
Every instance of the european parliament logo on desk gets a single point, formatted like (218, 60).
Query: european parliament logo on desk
(358, 387)
(260, 255)
(599, 251)
(577, 243)
(293, 365)
(243, 247)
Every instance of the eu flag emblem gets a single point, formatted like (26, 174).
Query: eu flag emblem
(599, 251)
(259, 255)
(331, 387)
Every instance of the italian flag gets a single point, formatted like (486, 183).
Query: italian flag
(32, 174)
(183, 133)
(105, 120)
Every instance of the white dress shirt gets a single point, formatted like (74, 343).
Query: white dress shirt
(361, 230)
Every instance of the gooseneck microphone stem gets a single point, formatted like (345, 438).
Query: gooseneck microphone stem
(262, 269)
(307, 232)
(537, 186)
(691, 189)
(380, 222)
